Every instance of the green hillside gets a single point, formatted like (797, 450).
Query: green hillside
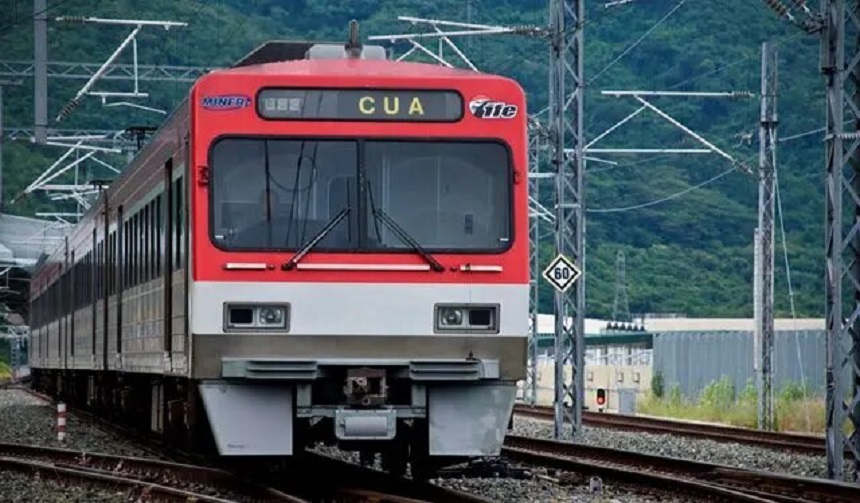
(691, 253)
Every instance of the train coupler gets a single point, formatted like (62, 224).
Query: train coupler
(365, 387)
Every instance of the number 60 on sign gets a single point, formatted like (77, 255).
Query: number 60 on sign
(561, 273)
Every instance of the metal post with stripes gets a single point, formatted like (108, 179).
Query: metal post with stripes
(61, 422)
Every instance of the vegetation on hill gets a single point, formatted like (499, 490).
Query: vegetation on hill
(691, 253)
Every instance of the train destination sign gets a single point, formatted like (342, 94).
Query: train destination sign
(360, 105)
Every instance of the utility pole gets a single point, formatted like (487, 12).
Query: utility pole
(767, 170)
(40, 70)
(841, 69)
(843, 328)
(621, 306)
(566, 87)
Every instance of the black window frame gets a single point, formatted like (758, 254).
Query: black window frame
(360, 144)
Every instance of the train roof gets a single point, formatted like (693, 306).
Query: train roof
(285, 57)
(360, 67)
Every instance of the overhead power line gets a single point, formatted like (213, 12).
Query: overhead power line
(661, 200)
(637, 42)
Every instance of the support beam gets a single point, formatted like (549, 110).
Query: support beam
(766, 198)
(119, 72)
(842, 182)
(535, 141)
(566, 131)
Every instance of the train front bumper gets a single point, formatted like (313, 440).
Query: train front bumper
(464, 389)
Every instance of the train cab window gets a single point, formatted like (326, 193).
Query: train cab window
(278, 194)
(446, 195)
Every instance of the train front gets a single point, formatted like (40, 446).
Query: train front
(360, 257)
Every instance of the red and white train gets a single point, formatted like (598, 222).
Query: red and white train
(315, 246)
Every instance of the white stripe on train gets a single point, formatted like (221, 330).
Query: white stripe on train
(358, 308)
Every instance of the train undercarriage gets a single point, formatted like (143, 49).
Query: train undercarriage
(357, 411)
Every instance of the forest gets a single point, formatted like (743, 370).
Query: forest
(684, 222)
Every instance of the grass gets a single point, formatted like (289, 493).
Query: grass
(797, 409)
(5, 371)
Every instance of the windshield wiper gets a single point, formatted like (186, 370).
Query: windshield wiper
(402, 234)
(291, 264)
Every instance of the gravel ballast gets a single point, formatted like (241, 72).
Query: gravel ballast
(16, 487)
(29, 420)
(537, 487)
(705, 450)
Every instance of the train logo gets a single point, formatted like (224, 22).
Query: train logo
(226, 102)
(483, 107)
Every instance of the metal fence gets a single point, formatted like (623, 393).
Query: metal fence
(692, 360)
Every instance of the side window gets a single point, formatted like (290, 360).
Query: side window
(126, 254)
(144, 244)
(179, 213)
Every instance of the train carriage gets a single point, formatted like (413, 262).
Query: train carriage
(317, 245)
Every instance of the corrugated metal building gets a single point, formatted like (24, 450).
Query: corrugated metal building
(693, 352)
(693, 359)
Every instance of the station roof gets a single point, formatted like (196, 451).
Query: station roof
(23, 240)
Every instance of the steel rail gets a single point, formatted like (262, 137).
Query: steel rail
(144, 489)
(752, 483)
(804, 444)
(145, 470)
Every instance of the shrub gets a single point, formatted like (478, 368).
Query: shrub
(657, 385)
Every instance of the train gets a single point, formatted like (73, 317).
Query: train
(319, 244)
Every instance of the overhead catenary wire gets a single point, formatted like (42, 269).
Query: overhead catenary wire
(752, 55)
(4, 29)
(637, 42)
(663, 199)
(790, 293)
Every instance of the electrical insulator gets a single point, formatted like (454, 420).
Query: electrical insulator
(777, 6)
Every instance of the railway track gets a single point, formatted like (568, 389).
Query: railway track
(803, 444)
(675, 474)
(165, 477)
(242, 482)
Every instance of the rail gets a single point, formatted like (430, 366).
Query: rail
(138, 471)
(675, 473)
(804, 444)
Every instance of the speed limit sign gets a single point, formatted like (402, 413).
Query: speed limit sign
(561, 273)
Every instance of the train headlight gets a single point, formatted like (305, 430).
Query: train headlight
(451, 317)
(467, 318)
(271, 316)
(249, 317)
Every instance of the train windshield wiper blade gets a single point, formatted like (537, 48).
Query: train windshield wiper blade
(291, 264)
(402, 234)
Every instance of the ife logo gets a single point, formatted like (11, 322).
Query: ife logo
(483, 107)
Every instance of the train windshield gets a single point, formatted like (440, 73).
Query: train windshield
(277, 194)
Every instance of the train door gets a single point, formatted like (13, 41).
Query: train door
(166, 223)
(93, 266)
(64, 308)
(123, 250)
(74, 278)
